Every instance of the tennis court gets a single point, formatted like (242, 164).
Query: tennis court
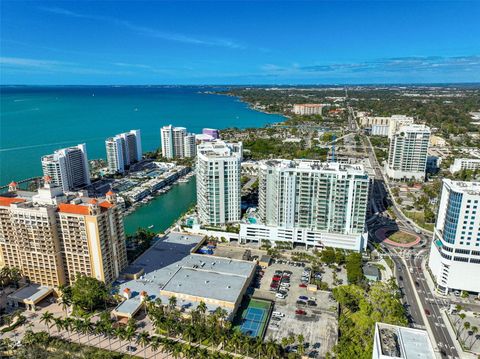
(254, 318)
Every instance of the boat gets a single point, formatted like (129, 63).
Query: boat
(151, 226)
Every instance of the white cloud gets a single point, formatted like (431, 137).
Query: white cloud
(147, 31)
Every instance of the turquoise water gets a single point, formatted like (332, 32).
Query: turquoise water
(35, 121)
(163, 210)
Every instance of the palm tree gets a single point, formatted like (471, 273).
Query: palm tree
(462, 317)
(236, 340)
(155, 343)
(202, 308)
(466, 326)
(58, 324)
(246, 346)
(177, 350)
(272, 349)
(119, 332)
(172, 302)
(301, 348)
(474, 330)
(129, 333)
(143, 339)
(47, 318)
(258, 347)
(189, 333)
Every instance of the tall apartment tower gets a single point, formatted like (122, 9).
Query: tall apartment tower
(30, 241)
(173, 141)
(407, 157)
(218, 182)
(93, 239)
(123, 150)
(455, 250)
(310, 202)
(190, 146)
(68, 167)
(51, 240)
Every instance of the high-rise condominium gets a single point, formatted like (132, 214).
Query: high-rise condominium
(407, 157)
(68, 167)
(190, 146)
(312, 203)
(173, 141)
(218, 182)
(51, 240)
(123, 150)
(455, 250)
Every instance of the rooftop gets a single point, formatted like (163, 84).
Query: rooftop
(32, 293)
(168, 265)
(471, 188)
(314, 165)
(402, 342)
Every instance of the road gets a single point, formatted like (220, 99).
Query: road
(417, 296)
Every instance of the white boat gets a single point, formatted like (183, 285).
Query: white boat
(151, 226)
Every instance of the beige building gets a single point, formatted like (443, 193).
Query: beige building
(93, 239)
(50, 242)
(308, 109)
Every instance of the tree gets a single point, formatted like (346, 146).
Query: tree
(301, 348)
(88, 293)
(143, 339)
(354, 268)
(47, 318)
(172, 302)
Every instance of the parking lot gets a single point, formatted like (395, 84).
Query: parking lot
(317, 323)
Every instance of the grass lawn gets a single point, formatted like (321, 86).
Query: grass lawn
(419, 219)
(401, 237)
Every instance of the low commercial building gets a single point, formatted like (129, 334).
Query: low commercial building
(460, 164)
(396, 342)
(29, 296)
(171, 269)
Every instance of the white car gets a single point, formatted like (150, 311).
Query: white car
(280, 296)
(278, 314)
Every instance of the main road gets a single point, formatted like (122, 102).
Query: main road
(422, 306)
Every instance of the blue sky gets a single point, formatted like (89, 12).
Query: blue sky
(227, 42)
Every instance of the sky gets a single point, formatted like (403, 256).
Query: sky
(246, 42)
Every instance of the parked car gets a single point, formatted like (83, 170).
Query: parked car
(302, 297)
(302, 285)
(131, 348)
(276, 318)
(427, 312)
(312, 303)
(280, 296)
(301, 302)
(300, 312)
(278, 314)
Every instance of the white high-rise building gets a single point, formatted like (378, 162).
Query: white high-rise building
(68, 167)
(173, 141)
(460, 164)
(312, 203)
(407, 157)
(190, 145)
(218, 182)
(123, 150)
(455, 252)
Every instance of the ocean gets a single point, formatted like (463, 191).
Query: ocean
(35, 121)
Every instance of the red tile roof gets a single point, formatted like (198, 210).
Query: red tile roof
(7, 201)
(73, 208)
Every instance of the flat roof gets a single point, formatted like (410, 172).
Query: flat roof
(402, 342)
(129, 307)
(31, 293)
(206, 284)
(170, 266)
